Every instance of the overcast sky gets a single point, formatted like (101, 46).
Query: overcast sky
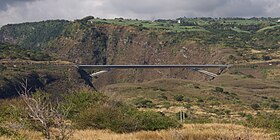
(16, 11)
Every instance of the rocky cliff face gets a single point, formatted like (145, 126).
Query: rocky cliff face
(93, 43)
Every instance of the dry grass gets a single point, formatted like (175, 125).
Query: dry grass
(189, 132)
(4, 138)
(273, 74)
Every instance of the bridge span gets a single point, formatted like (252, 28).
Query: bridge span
(198, 68)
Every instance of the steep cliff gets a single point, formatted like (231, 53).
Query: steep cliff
(87, 42)
(100, 41)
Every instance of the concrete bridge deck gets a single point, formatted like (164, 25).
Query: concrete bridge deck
(151, 66)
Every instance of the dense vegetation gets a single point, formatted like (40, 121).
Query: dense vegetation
(12, 52)
(257, 33)
(33, 35)
(88, 109)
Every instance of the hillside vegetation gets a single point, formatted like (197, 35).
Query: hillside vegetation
(124, 41)
(245, 96)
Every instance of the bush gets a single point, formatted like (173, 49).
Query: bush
(162, 96)
(264, 97)
(166, 105)
(249, 76)
(188, 100)
(155, 121)
(265, 120)
(143, 103)
(266, 58)
(107, 117)
(2, 68)
(242, 114)
(40, 57)
(219, 89)
(6, 132)
(81, 100)
(227, 112)
(188, 106)
(122, 119)
(256, 106)
(274, 106)
(200, 100)
(12, 111)
(273, 99)
(219, 111)
(179, 98)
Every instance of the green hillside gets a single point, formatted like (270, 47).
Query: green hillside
(45, 53)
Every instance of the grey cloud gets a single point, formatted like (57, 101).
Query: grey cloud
(34, 10)
(193, 8)
(5, 3)
(243, 8)
(163, 8)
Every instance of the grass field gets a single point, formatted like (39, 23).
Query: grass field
(151, 25)
(188, 132)
(268, 28)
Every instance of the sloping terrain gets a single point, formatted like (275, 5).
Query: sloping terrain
(120, 41)
(46, 53)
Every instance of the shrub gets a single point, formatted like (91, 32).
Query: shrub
(2, 68)
(123, 118)
(44, 115)
(274, 106)
(188, 100)
(265, 120)
(218, 111)
(40, 57)
(166, 105)
(7, 132)
(266, 58)
(81, 100)
(215, 103)
(231, 57)
(227, 112)
(200, 100)
(107, 117)
(143, 103)
(154, 121)
(249, 117)
(273, 99)
(242, 114)
(264, 97)
(188, 106)
(250, 76)
(162, 96)
(12, 113)
(256, 106)
(219, 89)
(179, 98)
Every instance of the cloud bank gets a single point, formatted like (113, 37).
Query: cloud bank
(16, 11)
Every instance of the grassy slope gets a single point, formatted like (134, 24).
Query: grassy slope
(243, 86)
